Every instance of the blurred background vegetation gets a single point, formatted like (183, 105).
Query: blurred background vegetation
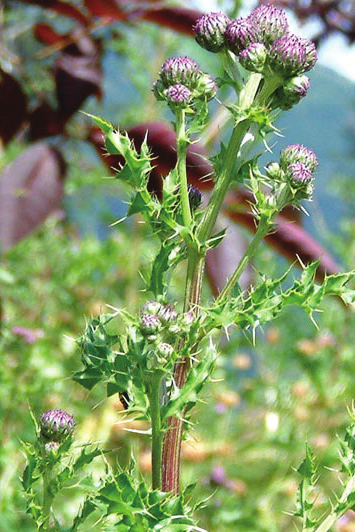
(63, 262)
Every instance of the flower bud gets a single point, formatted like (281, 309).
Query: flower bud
(291, 92)
(253, 58)
(165, 350)
(150, 324)
(207, 87)
(159, 90)
(291, 56)
(274, 172)
(180, 70)
(178, 96)
(51, 447)
(194, 197)
(56, 425)
(301, 181)
(187, 320)
(271, 22)
(168, 313)
(299, 173)
(152, 307)
(296, 153)
(209, 31)
(240, 33)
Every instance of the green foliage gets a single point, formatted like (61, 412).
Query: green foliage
(138, 509)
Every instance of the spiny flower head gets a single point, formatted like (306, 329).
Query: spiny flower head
(150, 324)
(271, 22)
(180, 70)
(292, 55)
(299, 174)
(167, 313)
(56, 425)
(178, 95)
(297, 153)
(209, 31)
(240, 33)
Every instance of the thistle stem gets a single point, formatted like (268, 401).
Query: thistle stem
(47, 499)
(181, 148)
(340, 509)
(153, 392)
(195, 270)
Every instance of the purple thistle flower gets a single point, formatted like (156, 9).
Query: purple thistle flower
(178, 95)
(209, 31)
(271, 22)
(253, 58)
(299, 174)
(218, 476)
(29, 336)
(180, 70)
(150, 323)
(240, 33)
(56, 425)
(291, 56)
(168, 313)
(296, 153)
(194, 196)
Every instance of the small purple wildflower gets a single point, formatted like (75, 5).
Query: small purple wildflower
(218, 476)
(29, 336)
(209, 31)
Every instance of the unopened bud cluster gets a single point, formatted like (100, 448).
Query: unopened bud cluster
(162, 327)
(296, 168)
(181, 83)
(262, 43)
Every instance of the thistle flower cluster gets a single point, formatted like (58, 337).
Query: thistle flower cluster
(296, 168)
(262, 43)
(181, 83)
(55, 427)
(161, 325)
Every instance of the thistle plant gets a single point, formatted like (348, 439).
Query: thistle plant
(166, 354)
